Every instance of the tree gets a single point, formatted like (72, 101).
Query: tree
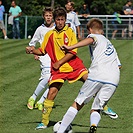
(98, 7)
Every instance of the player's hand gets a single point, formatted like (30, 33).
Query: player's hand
(56, 65)
(66, 48)
(36, 57)
(79, 37)
(29, 50)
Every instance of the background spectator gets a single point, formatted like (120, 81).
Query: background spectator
(16, 12)
(2, 10)
(84, 12)
(116, 23)
(127, 10)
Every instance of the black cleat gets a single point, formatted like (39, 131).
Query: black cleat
(93, 129)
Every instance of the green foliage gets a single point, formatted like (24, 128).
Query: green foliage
(19, 74)
(34, 7)
(106, 6)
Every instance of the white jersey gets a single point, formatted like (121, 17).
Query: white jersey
(104, 67)
(38, 37)
(71, 25)
(73, 18)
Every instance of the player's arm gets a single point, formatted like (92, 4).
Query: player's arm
(78, 32)
(85, 42)
(119, 63)
(36, 38)
(32, 50)
(65, 59)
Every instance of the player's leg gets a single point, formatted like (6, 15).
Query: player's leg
(39, 103)
(102, 97)
(48, 104)
(69, 116)
(37, 91)
(106, 110)
(94, 120)
(85, 95)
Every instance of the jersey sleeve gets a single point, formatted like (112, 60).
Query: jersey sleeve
(36, 37)
(3, 9)
(118, 61)
(10, 10)
(94, 38)
(19, 9)
(45, 42)
(77, 23)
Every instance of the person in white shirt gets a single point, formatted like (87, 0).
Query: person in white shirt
(73, 17)
(45, 61)
(103, 76)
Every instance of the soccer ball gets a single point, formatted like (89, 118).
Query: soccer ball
(57, 125)
(29, 36)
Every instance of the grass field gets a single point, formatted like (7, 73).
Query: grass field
(19, 74)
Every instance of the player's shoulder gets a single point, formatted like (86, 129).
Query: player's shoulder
(69, 30)
(50, 32)
(42, 26)
(72, 12)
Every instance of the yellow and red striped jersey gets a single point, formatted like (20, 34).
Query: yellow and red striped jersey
(53, 40)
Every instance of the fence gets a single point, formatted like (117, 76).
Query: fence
(28, 25)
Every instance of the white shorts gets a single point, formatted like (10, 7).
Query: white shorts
(102, 92)
(44, 75)
(45, 64)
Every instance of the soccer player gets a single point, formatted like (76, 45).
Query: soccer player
(65, 66)
(73, 17)
(62, 66)
(45, 61)
(103, 76)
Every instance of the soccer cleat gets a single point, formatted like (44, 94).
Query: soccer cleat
(30, 103)
(93, 129)
(110, 113)
(39, 106)
(40, 126)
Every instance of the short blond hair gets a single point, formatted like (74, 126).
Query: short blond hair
(95, 24)
(47, 9)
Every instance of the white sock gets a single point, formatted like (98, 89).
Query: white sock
(95, 118)
(44, 96)
(67, 119)
(39, 88)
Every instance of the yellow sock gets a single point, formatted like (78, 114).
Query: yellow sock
(48, 104)
(105, 107)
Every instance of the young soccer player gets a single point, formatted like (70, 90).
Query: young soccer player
(65, 65)
(103, 77)
(73, 17)
(45, 61)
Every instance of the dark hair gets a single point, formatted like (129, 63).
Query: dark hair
(129, 1)
(59, 11)
(47, 9)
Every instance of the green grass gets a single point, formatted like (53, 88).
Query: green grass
(19, 74)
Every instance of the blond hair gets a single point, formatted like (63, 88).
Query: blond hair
(95, 24)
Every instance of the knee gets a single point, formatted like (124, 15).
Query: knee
(95, 111)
